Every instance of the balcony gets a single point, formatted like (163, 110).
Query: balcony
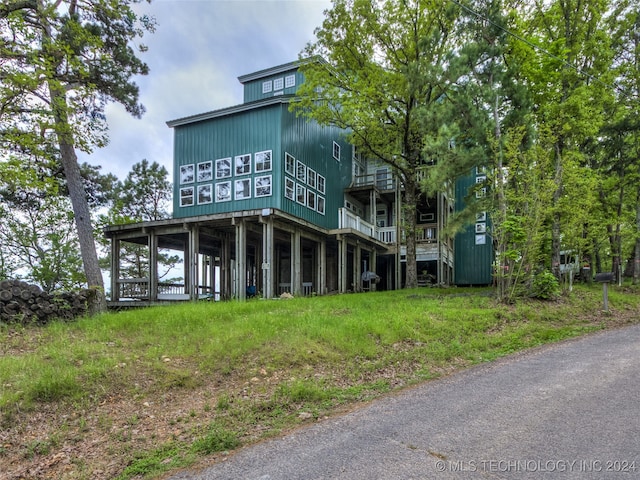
(347, 219)
(382, 181)
(426, 233)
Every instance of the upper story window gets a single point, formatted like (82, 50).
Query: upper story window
(290, 81)
(223, 167)
(187, 174)
(243, 164)
(263, 161)
(290, 164)
(336, 151)
(205, 171)
(267, 86)
(278, 84)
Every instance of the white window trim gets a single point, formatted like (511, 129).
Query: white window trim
(333, 151)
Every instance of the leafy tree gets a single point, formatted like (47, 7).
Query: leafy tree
(37, 230)
(144, 195)
(623, 130)
(385, 79)
(566, 61)
(62, 61)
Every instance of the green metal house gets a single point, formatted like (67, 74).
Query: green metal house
(268, 203)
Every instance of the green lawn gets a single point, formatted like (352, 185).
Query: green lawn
(263, 366)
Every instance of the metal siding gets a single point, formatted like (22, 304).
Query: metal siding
(244, 133)
(312, 144)
(253, 89)
(473, 263)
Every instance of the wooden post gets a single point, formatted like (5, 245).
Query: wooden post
(152, 240)
(342, 264)
(268, 257)
(225, 268)
(357, 269)
(115, 269)
(194, 248)
(241, 259)
(322, 267)
(296, 262)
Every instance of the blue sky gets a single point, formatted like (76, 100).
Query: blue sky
(196, 55)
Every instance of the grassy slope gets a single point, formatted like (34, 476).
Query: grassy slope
(159, 388)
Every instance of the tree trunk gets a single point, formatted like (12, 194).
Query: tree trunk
(97, 301)
(636, 256)
(410, 209)
(556, 234)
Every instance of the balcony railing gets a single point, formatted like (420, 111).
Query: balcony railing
(347, 219)
(382, 181)
(387, 234)
(426, 233)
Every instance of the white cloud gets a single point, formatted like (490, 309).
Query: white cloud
(195, 57)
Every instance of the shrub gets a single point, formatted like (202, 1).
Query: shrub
(545, 286)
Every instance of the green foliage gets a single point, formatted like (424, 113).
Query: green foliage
(216, 439)
(545, 286)
(381, 68)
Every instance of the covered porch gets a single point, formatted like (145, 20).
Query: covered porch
(236, 256)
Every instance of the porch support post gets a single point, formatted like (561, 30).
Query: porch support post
(153, 266)
(241, 259)
(296, 262)
(357, 269)
(225, 268)
(322, 267)
(342, 264)
(115, 269)
(268, 257)
(194, 248)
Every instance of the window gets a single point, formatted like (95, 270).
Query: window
(427, 217)
(481, 192)
(481, 239)
(289, 189)
(186, 174)
(278, 84)
(336, 151)
(205, 194)
(266, 86)
(290, 81)
(263, 161)
(263, 186)
(243, 164)
(290, 164)
(481, 227)
(311, 200)
(321, 184)
(223, 191)
(243, 189)
(205, 171)
(186, 197)
(481, 217)
(301, 172)
(311, 178)
(301, 194)
(320, 205)
(223, 168)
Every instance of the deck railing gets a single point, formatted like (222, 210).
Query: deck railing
(425, 233)
(347, 219)
(307, 288)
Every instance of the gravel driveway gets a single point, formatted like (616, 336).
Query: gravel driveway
(569, 410)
